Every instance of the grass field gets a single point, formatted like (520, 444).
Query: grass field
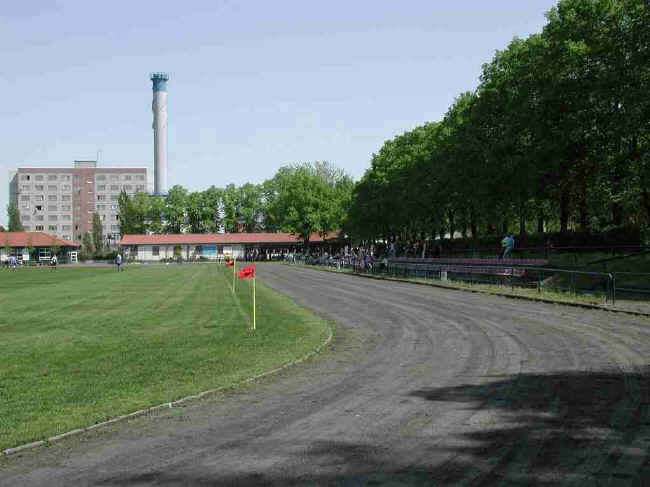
(82, 345)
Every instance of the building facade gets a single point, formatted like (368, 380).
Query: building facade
(216, 246)
(61, 201)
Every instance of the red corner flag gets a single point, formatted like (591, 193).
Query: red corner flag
(230, 263)
(247, 273)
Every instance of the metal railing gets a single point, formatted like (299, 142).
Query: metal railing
(598, 287)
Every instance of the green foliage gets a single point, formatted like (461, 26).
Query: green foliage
(87, 246)
(307, 198)
(97, 234)
(555, 138)
(14, 218)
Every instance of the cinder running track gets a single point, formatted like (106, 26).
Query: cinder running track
(422, 386)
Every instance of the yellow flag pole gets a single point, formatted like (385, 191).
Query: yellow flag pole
(253, 301)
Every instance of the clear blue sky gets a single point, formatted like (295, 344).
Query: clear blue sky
(254, 84)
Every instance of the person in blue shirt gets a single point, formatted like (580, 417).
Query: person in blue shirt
(510, 244)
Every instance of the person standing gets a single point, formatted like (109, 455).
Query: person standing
(118, 261)
(53, 262)
(510, 244)
(13, 262)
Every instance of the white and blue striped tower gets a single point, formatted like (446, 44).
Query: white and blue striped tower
(159, 108)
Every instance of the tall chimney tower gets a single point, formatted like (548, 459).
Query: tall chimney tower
(159, 108)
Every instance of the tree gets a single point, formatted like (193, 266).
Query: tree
(2, 229)
(308, 198)
(97, 234)
(175, 209)
(87, 244)
(14, 218)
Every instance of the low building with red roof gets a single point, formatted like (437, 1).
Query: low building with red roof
(211, 246)
(20, 243)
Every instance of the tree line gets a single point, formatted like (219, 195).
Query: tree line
(556, 137)
(302, 199)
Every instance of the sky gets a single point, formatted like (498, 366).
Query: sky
(254, 85)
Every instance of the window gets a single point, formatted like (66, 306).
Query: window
(66, 237)
(65, 177)
(52, 218)
(115, 197)
(52, 228)
(114, 207)
(25, 217)
(25, 177)
(128, 187)
(66, 228)
(52, 187)
(39, 207)
(101, 187)
(39, 187)
(38, 228)
(101, 207)
(115, 227)
(65, 197)
(38, 178)
(115, 217)
(39, 197)
(76, 177)
(65, 217)
(51, 177)
(39, 218)
(139, 188)
(51, 197)
(24, 197)
(115, 187)
(66, 208)
(25, 207)
(25, 187)
(155, 250)
(140, 177)
(77, 218)
(127, 177)
(115, 177)
(66, 187)
(101, 197)
(101, 177)
(51, 208)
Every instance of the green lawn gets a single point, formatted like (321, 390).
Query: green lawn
(81, 345)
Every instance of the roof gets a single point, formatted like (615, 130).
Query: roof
(33, 239)
(218, 238)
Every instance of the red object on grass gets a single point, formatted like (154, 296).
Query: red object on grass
(230, 263)
(247, 273)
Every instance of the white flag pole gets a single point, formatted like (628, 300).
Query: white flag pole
(234, 271)
(253, 301)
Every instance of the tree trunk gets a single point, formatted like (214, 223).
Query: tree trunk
(472, 223)
(564, 211)
(540, 223)
(617, 214)
(582, 207)
(452, 224)
(646, 204)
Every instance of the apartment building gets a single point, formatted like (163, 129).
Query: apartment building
(61, 201)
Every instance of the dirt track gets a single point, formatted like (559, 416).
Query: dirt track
(422, 387)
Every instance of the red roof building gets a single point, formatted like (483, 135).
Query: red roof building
(213, 245)
(19, 243)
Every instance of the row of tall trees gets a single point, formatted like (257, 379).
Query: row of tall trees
(556, 136)
(302, 199)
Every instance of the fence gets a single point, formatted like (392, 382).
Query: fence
(598, 286)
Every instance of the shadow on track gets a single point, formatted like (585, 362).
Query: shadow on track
(531, 429)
